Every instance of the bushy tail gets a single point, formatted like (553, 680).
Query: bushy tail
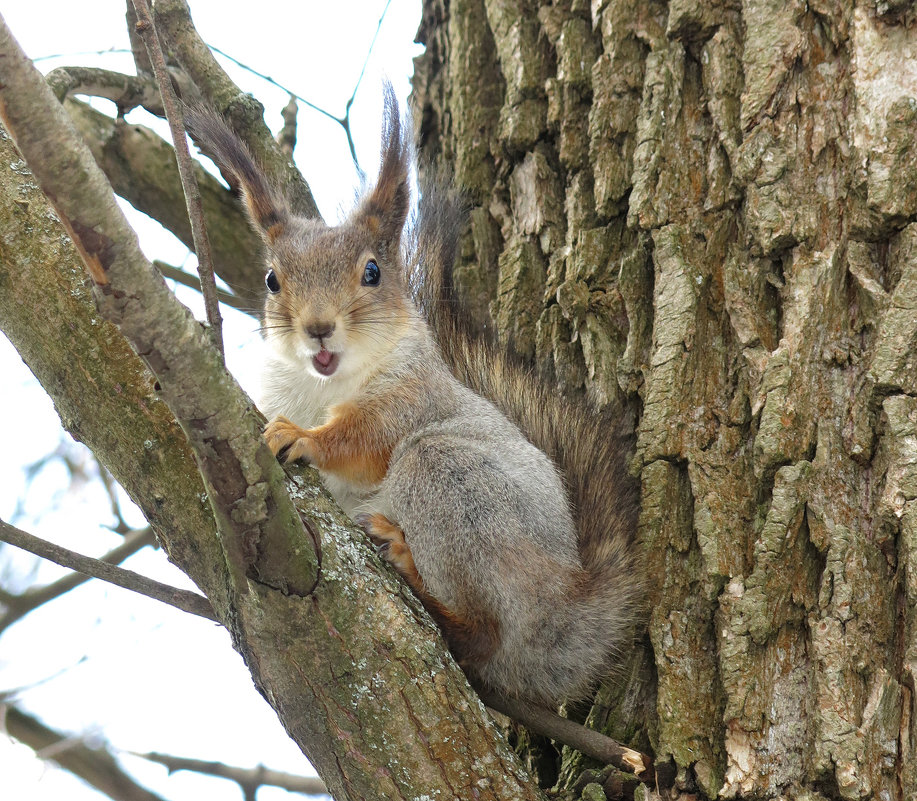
(592, 450)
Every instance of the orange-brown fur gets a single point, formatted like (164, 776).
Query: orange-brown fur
(507, 510)
(351, 444)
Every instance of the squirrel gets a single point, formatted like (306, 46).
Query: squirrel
(507, 509)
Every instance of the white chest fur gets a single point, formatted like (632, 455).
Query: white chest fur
(288, 389)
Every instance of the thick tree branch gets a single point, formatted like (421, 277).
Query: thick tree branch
(18, 606)
(125, 91)
(326, 662)
(587, 741)
(94, 766)
(245, 484)
(147, 30)
(103, 392)
(249, 779)
(127, 579)
(141, 168)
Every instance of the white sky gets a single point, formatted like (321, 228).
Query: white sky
(101, 661)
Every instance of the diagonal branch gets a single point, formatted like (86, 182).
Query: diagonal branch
(188, 280)
(141, 168)
(260, 528)
(96, 767)
(592, 743)
(18, 606)
(147, 30)
(127, 579)
(249, 779)
(173, 20)
(324, 662)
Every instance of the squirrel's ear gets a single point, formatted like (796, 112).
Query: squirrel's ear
(385, 209)
(268, 214)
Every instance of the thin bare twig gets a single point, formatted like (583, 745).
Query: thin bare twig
(18, 606)
(344, 121)
(369, 52)
(106, 51)
(186, 279)
(111, 489)
(587, 741)
(274, 82)
(147, 30)
(249, 779)
(181, 599)
(214, 412)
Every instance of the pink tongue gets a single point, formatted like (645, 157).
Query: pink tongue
(324, 357)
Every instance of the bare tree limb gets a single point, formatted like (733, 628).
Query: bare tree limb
(249, 779)
(188, 280)
(344, 121)
(105, 395)
(18, 606)
(138, 48)
(260, 527)
(141, 168)
(111, 489)
(96, 767)
(187, 601)
(125, 91)
(369, 52)
(147, 30)
(312, 657)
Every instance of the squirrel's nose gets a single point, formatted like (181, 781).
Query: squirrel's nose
(320, 330)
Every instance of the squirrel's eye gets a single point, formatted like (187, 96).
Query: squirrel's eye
(371, 274)
(271, 282)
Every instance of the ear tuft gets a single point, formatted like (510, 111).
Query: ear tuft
(212, 134)
(385, 209)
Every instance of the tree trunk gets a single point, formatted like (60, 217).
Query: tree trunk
(704, 212)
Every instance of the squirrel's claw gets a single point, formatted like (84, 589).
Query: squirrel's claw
(385, 535)
(287, 441)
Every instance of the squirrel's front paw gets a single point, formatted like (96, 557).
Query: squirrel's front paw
(288, 441)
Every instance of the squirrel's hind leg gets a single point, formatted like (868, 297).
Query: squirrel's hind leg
(390, 545)
(471, 640)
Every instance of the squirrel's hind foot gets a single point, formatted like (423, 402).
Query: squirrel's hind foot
(390, 544)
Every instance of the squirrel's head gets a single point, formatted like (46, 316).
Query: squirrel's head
(337, 299)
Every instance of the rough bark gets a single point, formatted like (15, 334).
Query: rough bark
(705, 212)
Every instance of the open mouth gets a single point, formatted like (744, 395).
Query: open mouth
(325, 362)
